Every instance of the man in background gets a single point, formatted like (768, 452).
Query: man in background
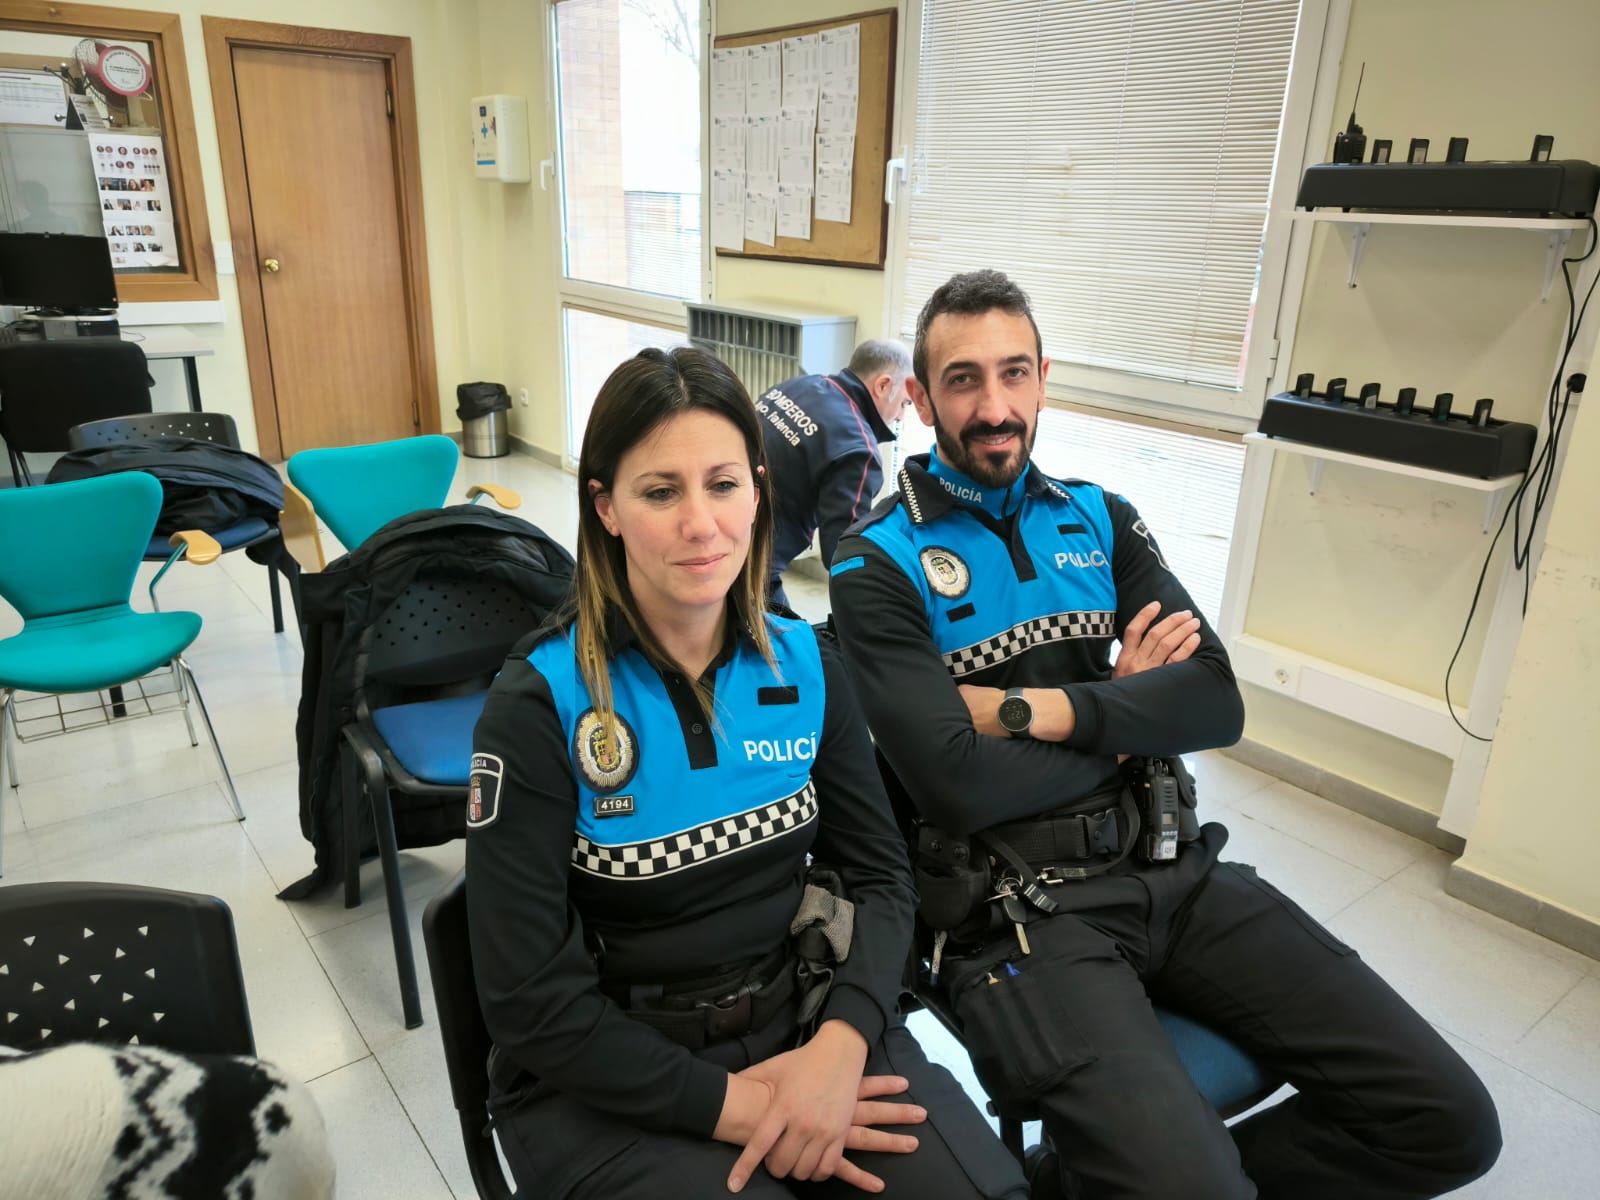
(822, 434)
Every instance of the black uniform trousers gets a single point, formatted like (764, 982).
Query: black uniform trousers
(1384, 1109)
(559, 1148)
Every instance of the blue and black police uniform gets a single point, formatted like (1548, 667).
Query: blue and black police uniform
(630, 901)
(822, 434)
(948, 582)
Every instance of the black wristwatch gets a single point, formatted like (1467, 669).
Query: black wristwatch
(1016, 714)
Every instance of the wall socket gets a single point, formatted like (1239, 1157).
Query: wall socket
(522, 397)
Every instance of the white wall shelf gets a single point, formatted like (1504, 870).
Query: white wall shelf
(1559, 231)
(1421, 719)
(1320, 456)
(1412, 716)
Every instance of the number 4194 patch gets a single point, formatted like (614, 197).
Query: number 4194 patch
(483, 790)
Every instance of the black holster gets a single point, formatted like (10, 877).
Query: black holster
(953, 882)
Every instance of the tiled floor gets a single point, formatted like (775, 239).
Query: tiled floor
(138, 805)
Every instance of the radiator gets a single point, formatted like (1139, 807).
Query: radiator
(765, 348)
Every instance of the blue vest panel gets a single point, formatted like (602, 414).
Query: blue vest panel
(644, 810)
(980, 613)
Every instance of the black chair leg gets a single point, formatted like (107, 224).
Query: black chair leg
(371, 769)
(277, 603)
(118, 708)
(350, 797)
(291, 573)
(389, 855)
(404, 962)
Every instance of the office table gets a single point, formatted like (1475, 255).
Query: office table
(172, 341)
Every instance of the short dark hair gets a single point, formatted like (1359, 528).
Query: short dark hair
(971, 294)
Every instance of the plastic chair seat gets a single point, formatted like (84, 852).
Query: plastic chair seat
(1225, 1075)
(240, 533)
(433, 739)
(86, 655)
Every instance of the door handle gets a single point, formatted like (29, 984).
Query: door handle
(270, 264)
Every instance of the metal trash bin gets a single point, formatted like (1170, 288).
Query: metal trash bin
(485, 427)
(486, 437)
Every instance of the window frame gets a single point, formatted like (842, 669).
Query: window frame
(164, 33)
(609, 300)
(1281, 273)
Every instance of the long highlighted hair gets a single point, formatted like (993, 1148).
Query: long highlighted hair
(651, 388)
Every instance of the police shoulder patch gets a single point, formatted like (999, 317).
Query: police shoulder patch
(605, 762)
(947, 574)
(483, 790)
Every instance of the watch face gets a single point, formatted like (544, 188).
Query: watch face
(1016, 714)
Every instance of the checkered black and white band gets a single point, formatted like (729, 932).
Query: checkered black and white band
(663, 856)
(1021, 638)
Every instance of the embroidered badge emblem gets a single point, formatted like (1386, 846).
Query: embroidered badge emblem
(946, 573)
(483, 790)
(605, 763)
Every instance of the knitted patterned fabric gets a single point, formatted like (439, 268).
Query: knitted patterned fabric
(86, 1121)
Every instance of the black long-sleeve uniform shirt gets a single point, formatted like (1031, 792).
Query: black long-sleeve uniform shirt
(948, 583)
(680, 845)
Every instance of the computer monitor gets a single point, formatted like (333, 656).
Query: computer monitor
(56, 270)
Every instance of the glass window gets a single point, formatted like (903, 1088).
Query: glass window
(629, 97)
(596, 343)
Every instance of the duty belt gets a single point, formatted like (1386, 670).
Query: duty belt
(1064, 846)
(1064, 839)
(698, 1013)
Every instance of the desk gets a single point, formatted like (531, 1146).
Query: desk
(172, 341)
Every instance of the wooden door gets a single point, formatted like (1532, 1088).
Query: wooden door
(320, 163)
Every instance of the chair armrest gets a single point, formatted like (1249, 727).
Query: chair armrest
(298, 525)
(199, 546)
(196, 545)
(504, 497)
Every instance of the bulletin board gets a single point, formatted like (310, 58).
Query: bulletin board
(862, 241)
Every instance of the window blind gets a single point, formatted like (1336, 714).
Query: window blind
(1113, 157)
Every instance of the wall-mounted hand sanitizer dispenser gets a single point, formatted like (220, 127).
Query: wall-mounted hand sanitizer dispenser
(500, 138)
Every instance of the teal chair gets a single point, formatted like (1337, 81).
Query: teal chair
(358, 490)
(68, 556)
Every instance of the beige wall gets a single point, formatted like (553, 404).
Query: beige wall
(1376, 571)
(444, 46)
(1539, 817)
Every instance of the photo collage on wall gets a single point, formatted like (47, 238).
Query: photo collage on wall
(135, 198)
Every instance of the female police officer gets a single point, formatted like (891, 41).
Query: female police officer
(648, 780)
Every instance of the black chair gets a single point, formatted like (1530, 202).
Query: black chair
(263, 539)
(48, 387)
(429, 659)
(117, 963)
(461, 1028)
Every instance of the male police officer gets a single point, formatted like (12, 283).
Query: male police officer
(822, 434)
(977, 608)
